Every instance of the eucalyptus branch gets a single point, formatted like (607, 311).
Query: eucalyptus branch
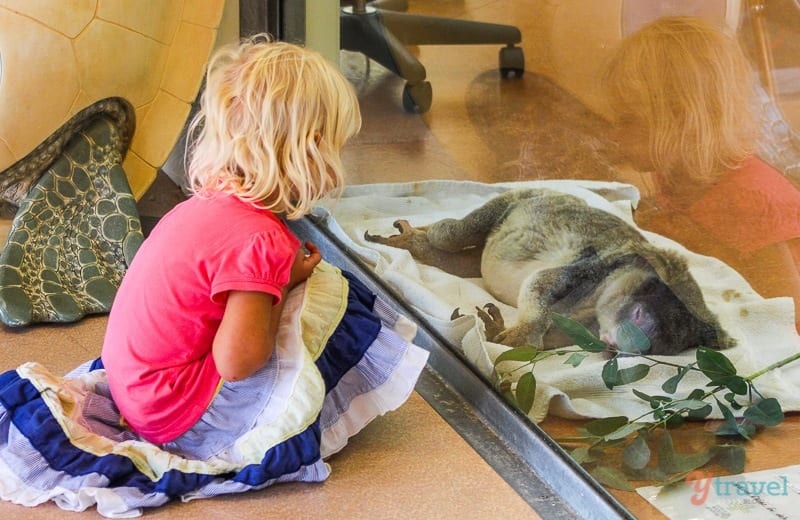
(667, 411)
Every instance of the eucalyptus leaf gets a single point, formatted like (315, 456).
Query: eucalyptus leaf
(736, 384)
(700, 413)
(643, 396)
(674, 421)
(602, 427)
(576, 359)
(582, 336)
(765, 413)
(517, 354)
(671, 462)
(611, 477)
(714, 364)
(697, 393)
(646, 473)
(624, 431)
(525, 391)
(583, 455)
(610, 373)
(637, 454)
(631, 339)
(730, 457)
(690, 404)
(632, 374)
(670, 386)
(730, 426)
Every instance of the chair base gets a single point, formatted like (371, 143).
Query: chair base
(382, 35)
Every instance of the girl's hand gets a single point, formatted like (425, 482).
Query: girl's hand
(306, 260)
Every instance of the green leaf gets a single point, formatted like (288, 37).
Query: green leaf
(611, 477)
(583, 455)
(675, 420)
(576, 359)
(526, 391)
(736, 384)
(582, 336)
(517, 354)
(766, 412)
(637, 454)
(730, 426)
(701, 413)
(690, 404)
(670, 386)
(632, 374)
(631, 339)
(602, 427)
(646, 473)
(610, 373)
(697, 393)
(714, 364)
(671, 462)
(729, 456)
(624, 431)
(643, 396)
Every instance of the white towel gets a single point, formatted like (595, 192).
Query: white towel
(763, 328)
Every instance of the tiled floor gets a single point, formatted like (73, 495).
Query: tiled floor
(409, 463)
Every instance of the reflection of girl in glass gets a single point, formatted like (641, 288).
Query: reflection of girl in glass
(681, 92)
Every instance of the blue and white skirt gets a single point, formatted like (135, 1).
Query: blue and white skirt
(343, 357)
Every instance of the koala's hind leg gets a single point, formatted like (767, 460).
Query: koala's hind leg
(453, 235)
(465, 263)
(567, 289)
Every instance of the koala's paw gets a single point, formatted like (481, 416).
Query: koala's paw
(403, 241)
(492, 320)
(518, 335)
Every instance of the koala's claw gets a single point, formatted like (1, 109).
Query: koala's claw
(404, 240)
(493, 321)
(403, 226)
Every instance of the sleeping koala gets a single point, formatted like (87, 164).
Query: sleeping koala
(544, 251)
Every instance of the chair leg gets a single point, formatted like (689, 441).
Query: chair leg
(432, 30)
(382, 35)
(366, 33)
(391, 5)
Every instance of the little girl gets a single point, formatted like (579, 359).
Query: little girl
(196, 318)
(682, 93)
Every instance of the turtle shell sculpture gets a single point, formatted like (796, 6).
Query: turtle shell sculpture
(78, 228)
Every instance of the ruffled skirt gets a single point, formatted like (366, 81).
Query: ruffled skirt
(343, 358)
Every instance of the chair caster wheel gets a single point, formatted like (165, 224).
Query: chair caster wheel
(512, 62)
(417, 98)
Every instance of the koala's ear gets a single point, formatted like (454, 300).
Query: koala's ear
(674, 272)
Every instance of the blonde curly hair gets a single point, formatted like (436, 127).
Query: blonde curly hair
(692, 87)
(273, 119)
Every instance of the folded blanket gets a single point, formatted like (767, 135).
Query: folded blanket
(342, 358)
(763, 328)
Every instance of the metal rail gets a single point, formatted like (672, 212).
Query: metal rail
(538, 469)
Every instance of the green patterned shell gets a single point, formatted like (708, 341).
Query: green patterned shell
(74, 234)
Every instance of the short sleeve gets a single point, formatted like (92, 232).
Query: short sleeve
(749, 210)
(260, 262)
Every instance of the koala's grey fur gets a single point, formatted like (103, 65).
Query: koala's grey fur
(544, 251)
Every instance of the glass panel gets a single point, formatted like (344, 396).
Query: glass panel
(681, 119)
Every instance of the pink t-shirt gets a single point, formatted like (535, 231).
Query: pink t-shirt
(750, 207)
(157, 348)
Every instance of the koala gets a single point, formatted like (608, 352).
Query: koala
(543, 251)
